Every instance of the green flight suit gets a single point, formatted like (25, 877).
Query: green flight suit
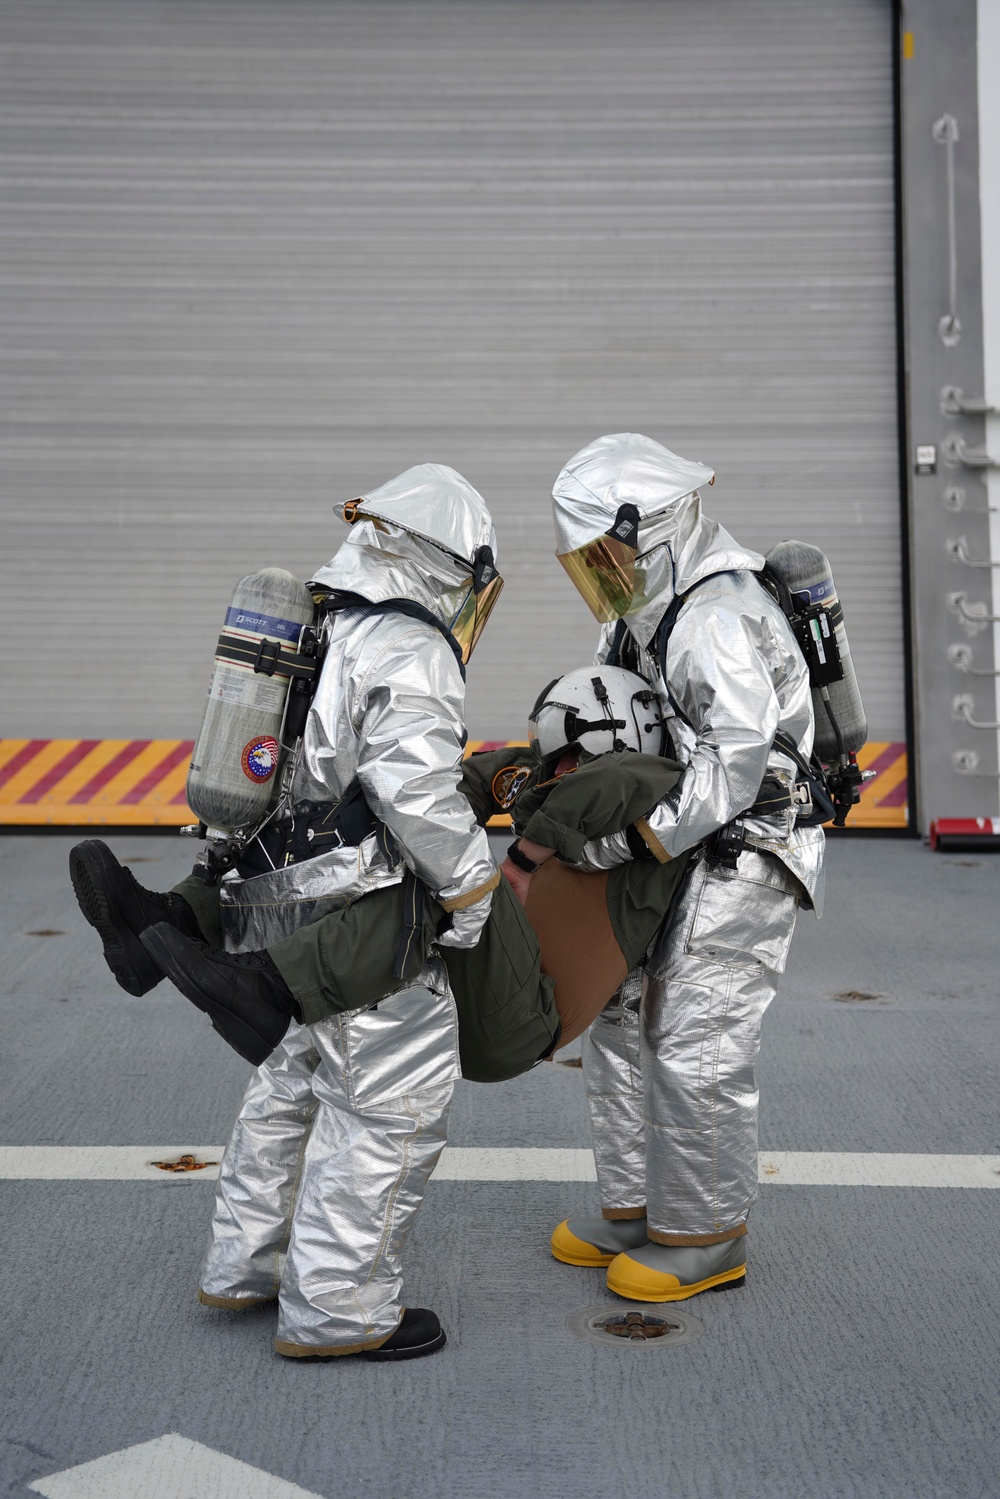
(347, 959)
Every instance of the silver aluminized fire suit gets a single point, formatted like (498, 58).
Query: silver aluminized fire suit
(342, 1126)
(669, 1065)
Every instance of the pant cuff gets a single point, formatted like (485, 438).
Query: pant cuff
(312, 1008)
(696, 1241)
(309, 1003)
(203, 901)
(614, 1215)
(235, 1303)
(326, 1350)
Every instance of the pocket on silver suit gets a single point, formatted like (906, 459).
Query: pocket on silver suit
(743, 924)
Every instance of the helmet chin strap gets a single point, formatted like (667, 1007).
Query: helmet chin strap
(575, 727)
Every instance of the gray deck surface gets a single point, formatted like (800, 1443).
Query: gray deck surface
(863, 1357)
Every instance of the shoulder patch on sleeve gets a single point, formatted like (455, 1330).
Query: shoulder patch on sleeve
(508, 784)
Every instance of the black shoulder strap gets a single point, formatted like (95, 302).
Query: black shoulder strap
(624, 649)
(778, 589)
(335, 601)
(665, 628)
(615, 650)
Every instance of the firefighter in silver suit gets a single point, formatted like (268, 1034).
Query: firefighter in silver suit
(669, 1064)
(342, 1126)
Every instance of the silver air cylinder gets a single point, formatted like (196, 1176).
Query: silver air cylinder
(806, 574)
(233, 768)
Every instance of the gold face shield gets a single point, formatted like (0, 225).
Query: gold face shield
(477, 605)
(603, 571)
(470, 621)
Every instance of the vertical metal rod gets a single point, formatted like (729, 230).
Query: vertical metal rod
(945, 132)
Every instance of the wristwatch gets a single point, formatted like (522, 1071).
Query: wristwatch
(521, 860)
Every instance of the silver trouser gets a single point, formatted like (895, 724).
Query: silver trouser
(338, 1134)
(613, 1081)
(694, 1042)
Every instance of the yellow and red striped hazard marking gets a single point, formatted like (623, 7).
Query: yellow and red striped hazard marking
(140, 782)
(884, 801)
(109, 782)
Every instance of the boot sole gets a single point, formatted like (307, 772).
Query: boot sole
(728, 1280)
(375, 1355)
(396, 1355)
(134, 970)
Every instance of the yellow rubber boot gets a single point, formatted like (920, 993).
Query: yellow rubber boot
(664, 1272)
(595, 1242)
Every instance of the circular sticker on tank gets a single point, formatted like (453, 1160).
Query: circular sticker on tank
(260, 758)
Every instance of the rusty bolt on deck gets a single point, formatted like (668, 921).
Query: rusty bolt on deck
(183, 1163)
(647, 1326)
(635, 1325)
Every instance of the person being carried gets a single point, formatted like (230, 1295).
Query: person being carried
(538, 975)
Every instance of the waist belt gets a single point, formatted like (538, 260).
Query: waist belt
(313, 828)
(772, 797)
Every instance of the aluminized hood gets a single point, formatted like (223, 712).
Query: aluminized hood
(435, 502)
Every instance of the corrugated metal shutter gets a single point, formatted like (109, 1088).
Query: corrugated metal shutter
(259, 258)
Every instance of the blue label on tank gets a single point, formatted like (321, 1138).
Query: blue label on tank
(819, 593)
(263, 624)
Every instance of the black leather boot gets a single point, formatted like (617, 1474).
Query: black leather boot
(120, 910)
(243, 994)
(419, 1333)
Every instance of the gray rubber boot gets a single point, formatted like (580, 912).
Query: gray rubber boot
(596, 1241)
(664, 1272)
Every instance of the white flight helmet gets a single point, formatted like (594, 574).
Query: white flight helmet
(597, 709)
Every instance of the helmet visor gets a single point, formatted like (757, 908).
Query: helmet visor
(603, 572)
(470, 621)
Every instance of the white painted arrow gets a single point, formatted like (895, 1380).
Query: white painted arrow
(170, 1467)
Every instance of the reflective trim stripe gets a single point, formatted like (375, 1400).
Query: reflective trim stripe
(696, 1241)
(651, 841)
(460, 902)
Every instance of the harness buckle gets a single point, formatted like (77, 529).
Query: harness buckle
(266, 659)
(802, 796)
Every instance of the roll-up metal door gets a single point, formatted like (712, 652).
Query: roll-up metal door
(258, 258)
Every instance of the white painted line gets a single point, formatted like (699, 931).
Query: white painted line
(794, 1168)
(103, 1162)
(170, 1467)
(776, 1168)
(521, 1164)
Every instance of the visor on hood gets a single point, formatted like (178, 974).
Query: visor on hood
(616, 500)
(470, 621)
(603, 571)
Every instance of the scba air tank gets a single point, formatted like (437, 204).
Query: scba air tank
(806, 574)
(236, 755)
